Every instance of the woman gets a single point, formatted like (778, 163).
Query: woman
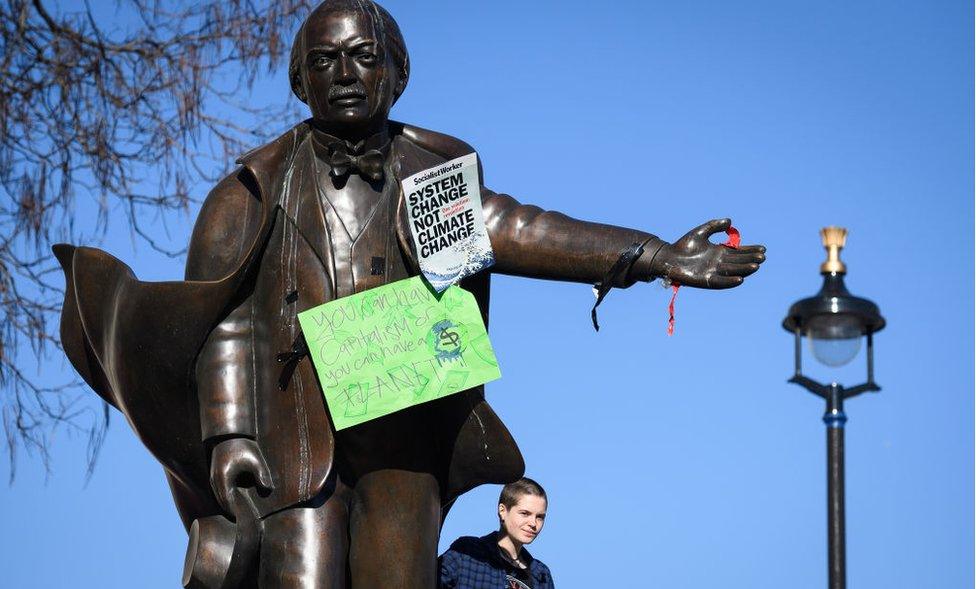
(499, 559)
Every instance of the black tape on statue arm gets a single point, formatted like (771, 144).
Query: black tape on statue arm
(616, 275)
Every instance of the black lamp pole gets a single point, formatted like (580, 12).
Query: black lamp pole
(834, 321)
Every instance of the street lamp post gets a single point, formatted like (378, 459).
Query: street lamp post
(834, 321)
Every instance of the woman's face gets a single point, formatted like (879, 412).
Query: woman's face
(524, 521)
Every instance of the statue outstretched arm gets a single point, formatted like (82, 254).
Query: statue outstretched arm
(530, 241)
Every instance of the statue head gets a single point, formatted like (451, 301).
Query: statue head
(349, 64)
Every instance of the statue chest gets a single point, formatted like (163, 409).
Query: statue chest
(334, 238)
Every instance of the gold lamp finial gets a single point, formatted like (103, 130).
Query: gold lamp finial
(834, 239)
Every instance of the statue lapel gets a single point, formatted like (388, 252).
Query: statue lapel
(299, 201)
(306, 210)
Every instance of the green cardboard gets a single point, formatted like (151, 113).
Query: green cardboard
(396, 346)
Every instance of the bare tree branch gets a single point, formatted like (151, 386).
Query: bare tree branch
(116, 117)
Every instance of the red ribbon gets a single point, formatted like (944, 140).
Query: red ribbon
(732, 242)
(734, 239)
(675, 286)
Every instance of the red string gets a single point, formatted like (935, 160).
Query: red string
(732, 242)
(675, 286)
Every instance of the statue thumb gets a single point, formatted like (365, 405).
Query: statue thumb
(264, 477)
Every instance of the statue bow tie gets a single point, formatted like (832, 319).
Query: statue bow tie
(369, 164)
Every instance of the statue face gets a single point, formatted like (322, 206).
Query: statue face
(347, 76)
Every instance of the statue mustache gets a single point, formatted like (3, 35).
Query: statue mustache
(339, 91)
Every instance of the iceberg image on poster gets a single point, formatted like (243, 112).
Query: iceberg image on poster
(446, 221)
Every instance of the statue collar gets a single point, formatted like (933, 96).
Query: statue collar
(322, 141)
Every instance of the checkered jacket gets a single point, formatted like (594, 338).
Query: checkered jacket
(474, 563)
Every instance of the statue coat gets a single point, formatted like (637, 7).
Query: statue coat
(190, 362)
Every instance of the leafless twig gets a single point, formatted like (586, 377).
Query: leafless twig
(92, 110)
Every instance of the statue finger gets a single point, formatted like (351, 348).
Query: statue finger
(222, 492)
(735, 257)
(253, 471)
(746, 259)
(720, 282)
(749, 249)
(737, 269)
(263, 478)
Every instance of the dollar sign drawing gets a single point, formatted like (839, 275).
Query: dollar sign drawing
(450, 336)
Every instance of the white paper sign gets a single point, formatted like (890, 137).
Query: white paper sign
(446, 221)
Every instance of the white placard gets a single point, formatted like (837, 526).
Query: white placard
(446, 221)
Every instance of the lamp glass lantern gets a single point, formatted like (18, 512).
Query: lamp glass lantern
(834, 322)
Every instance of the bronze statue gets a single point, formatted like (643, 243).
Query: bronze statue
(210, 372)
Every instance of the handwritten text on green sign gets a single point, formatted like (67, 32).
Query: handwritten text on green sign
(396, 346)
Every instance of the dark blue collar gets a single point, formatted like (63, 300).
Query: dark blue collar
(490, 542)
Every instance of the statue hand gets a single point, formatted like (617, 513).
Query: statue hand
(237, 462)
(695, 261)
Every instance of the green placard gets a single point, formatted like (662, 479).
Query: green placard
(396, 346)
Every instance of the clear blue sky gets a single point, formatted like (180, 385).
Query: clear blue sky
(686, 462)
